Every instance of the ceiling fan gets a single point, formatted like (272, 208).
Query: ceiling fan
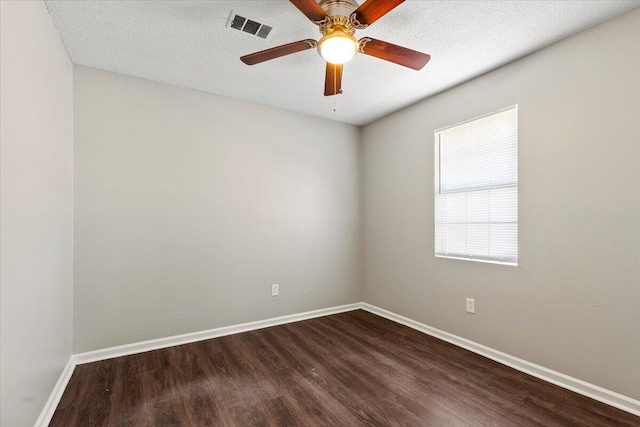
(338, 21)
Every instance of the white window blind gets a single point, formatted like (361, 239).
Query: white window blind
(476, 189)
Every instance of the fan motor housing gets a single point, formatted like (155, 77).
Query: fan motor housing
(339, 7)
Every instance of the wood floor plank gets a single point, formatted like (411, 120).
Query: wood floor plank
(349, 369)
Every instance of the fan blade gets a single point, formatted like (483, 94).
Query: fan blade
(372, 10)
(311, 9)
(277, 52)
(333, 80)
(394, 53)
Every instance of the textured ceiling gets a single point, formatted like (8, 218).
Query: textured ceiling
(189, 44)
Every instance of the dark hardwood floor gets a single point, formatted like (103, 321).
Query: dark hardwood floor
(350, 369)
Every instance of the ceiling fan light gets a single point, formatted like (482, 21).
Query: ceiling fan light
(338, 47)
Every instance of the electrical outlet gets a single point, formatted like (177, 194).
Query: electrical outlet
(275, 290)
(471, 305)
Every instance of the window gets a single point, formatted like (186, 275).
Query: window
(476, 189)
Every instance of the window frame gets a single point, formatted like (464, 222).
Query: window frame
(437, 188)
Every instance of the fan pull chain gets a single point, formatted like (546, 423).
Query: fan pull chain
(335, 101)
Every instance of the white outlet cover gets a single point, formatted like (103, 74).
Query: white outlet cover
(471, 305)
(275, 290)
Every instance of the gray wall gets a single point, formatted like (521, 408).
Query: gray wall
(573, 303)
(36, 188)
(188, 206)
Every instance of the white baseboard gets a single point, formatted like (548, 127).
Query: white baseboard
(52, 403)
(565, 381)
(140, 347)
(590, 390)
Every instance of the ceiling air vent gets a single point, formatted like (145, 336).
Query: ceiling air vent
(250, 26)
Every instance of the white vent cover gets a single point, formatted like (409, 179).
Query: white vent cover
(249, 26)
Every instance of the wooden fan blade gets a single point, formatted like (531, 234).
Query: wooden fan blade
(277, 52)
(333, 80)
(311, 9)
(372, 10)
(394, 53)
